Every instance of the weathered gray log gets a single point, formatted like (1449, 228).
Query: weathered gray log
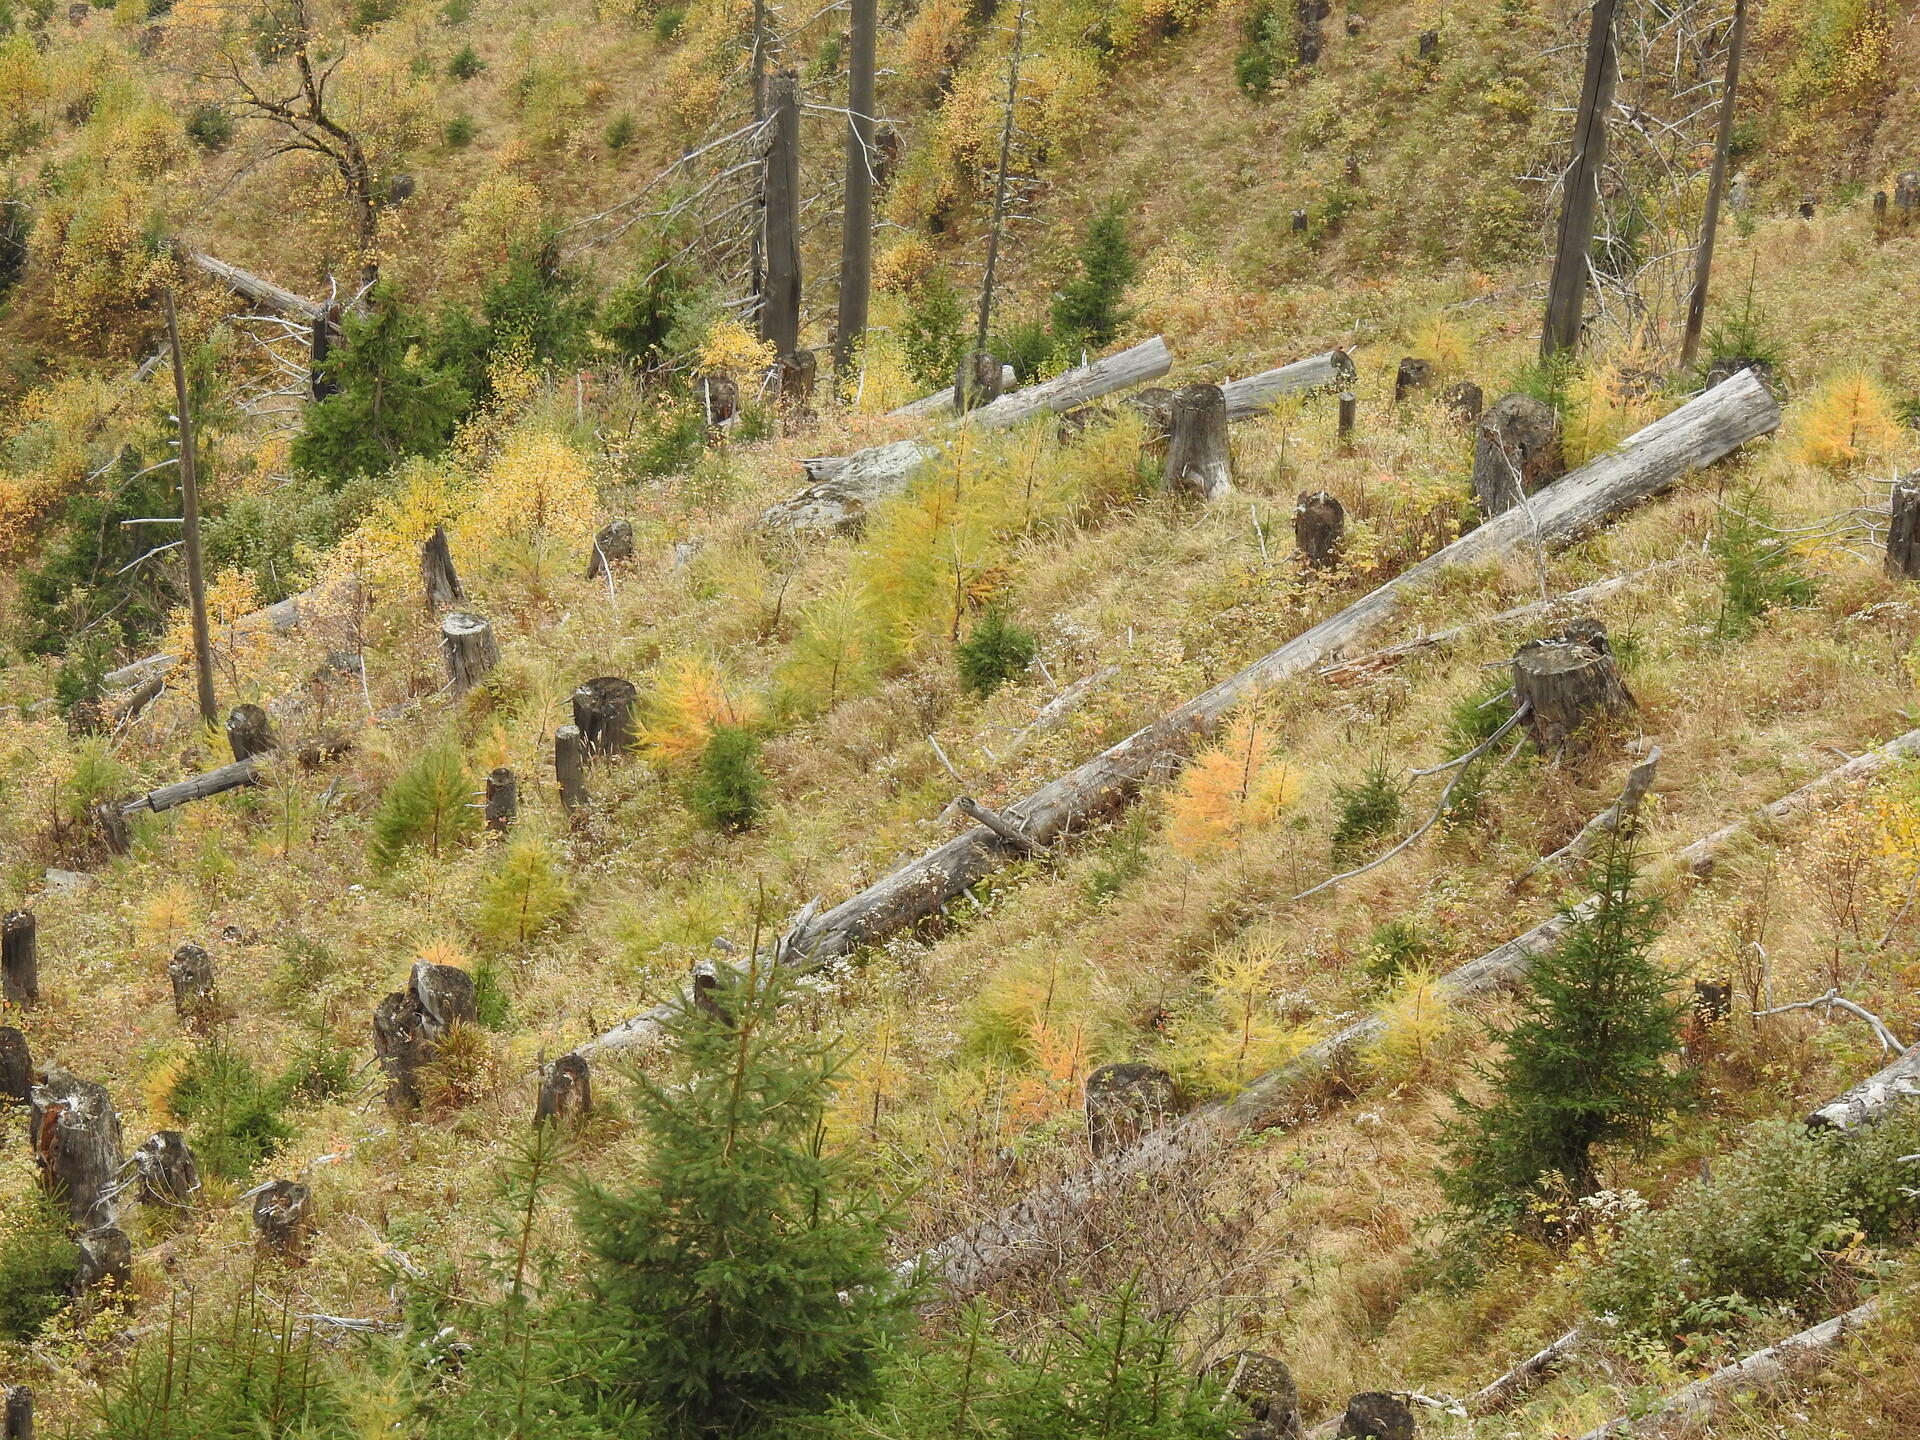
(1062, 705)
(1255, 394)
(503, 799)
(76, 1143)
(106, 1260)
(603, 713)
(261, 292)
(1567, 688)
(614, 542)
(1463, 401)
(1866, 1102)
(1413, 374)
(466, 641)
(1125, 1101)
(283, 1219)
(1199, 454)
(438, 579)
(1516, 451)
(169, 1173)
(20, 958)
(570, 766)
(282, 617)
(1376, 1415)
(408, 1025)
(191, 972)
(1704, 430)
(1148, 360)
(1265, 1385)
(1639, 782)
(566, 1092)
(111, 826)
(16, 1066)
(718, 397)
(1761, 1373)
(250, 732)
(196, 787)
(1531, 1373)
(1903, 530)
(1319, 524)
(16, 1419)
(1153, 404)
(999, 825)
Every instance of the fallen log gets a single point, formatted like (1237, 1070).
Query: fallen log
(1872, 1097)
(264, 293)
(1256, 394)
(1705, 429)
(195, 787)
(1760, 1373)
(1109, 375)
(975, 1256)
(281, 617)
(1528, 1375)
(1639, 781)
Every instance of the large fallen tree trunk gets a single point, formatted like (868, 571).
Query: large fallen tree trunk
(195, 787)
(1872, 1097)
(1256, 394)
(1760, 1373)
(261, 292)
(974, 1257)
(1702, 431)
(846, 485)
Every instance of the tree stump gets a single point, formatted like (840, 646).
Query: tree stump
(976, 382)
(1464, 401)
(1125, 1101)
(408, 1026)
(16, 1066)
(1807, 202)
(191, 971)
(1313, 14)
(1349, 412)
(1429, 43)
(250, 732)
(16, 1419)
(1199, 454)
(437, 576)
(169, 1173)
(1266, 1385)
(467, 642)
(1299, 222)
(1377, 1416)
(1903, 532)
(112, 828)
(705, 985)
(76, 1143)
(566, 1092)
(1516, 451)
(719, 397)
(1413, 374)
(1566, 686)
(798, 374)
(1319, 522)
(106, 1259)
(603, 714)
(503, 800)
(614, 542)
(20, 959)
(570, 766)
(283, 1219)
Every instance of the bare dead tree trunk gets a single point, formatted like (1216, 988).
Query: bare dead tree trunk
(856, 238)
(437, 575)
(106, 1259)
(797, 374)
(250, 732)
(467, 643)
(20, 958)
(168, 1170)
(320, 344)
(16, 1421)
(1000, 188)
(503, 800)
(196, 787)
(977, 382)
(1349, 412)
(1199, 452)
(1903, 530)
(1567, 291)
(1716, 183)
(190, 522)
(603, 713)
(780, 306)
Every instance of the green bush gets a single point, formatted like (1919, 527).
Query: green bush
(459, 132)
(621, 130)
(669, 440)
(427, 806)
(994, 652)
(728, 789)
(1123, 861)
(1267, 49)
(657, 317)
(492, 1005)
(368, 14)
(1367, 810)
(456, 12)
(37, 1263)
(1395, 947)
(1470, 723)
(466, 63)
(232, 1114)
(209, 126)
(16, 224)
(1028, 346)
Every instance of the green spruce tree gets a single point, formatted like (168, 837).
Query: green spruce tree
(742, 1276)
(1087, 311)
(729, 790)
(427, 806)
(1585, 1063)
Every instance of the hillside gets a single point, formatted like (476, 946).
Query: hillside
(561, 221)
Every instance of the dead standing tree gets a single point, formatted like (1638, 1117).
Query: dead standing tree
(1567, 291)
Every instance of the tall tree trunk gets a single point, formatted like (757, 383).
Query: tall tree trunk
(780, 306)
(190, 510)
(856, 241)
(1716, 182)
(1567, 293)
(1000, 188)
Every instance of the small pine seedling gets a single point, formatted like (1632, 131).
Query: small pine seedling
(1367, 810)
(729, 790)
(995, 651)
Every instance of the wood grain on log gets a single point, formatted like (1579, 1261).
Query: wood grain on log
(1199, 453)
(16, 1066)
(503, 799)
(570, 766)
(1146, 361)
(20, 958)
(1319, 525)
(250, 732)
(1903, 531)
(438, 579)
(466, 642)
(1706, 429)
(76, 1143)
(261, 292)
(603, 713)
(1516, 451)
(106, 1260)
(1531, 1373)
(1866, 1102)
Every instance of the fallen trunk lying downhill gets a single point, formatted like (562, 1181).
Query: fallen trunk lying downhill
(1700, 432)
(1759, 1373)
(974, 1257)
(282, 617)
(261, 292)
(845, 486)
(1256, 394)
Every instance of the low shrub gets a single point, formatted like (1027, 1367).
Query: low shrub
(995, 651)
(728, 790)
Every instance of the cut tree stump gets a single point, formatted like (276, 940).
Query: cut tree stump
(1463, 401)
(503, 799)
(570, 766)
(409, 1024)
(283, 1219)
(1903, 531)
(20, 958)
(16, 1420)
(566, 1092)
(250, 732)
(1319, 523)
(1349, 412)
(1413, 374)
(1199, 453)
(76, 1143)
(16, 1066)
(1125, 1101)
(719, 397)
(438, 578)
(112, 828)
(1377, 1415)
(1515, 452)
(978, 381)
(169, 1173)
(106, 1260)
(467, 643)
(1265, 1385)
(796, 376)
(191, 971)
(614, 542)
(1566, 686)
(603, 714)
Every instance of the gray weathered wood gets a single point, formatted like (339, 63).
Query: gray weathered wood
(250, 732)
(614, 542)
(408, 1025)
(566, 1092)
(570, 766)
(16, 1065)
(1706, 429)
(168, 1170)
(76, 1144)
(780, 195)
(196, 787)
(1903, 529)
(105, 1262)
(20, 958)
(1580, 188)
(1199, 454)
(191, 973)
(1639, 782)
(466, 642)
(261, 292)
(438, 579)
(1866, 1102)
(503, 799)
(1567, 688)
(1531, 1373)
(1319, 524)
(16, 1418)
(856, 226)
(283, 1219)
(1256, 394)
(603, 713)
